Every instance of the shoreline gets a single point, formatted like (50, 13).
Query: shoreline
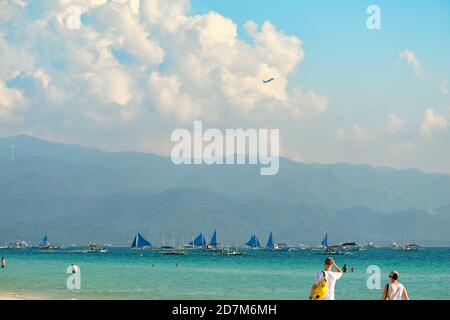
(16, 296)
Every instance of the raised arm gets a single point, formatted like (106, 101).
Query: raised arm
(337, 268)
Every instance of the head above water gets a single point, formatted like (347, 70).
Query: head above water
(328, 264)
(393, 276)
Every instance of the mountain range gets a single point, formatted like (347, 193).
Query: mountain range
(77, 194)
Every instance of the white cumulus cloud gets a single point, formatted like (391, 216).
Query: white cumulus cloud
(411, 58)
(84, 66)
(432, 121)
(11, 101)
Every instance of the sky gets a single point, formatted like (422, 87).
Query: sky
(123, 74)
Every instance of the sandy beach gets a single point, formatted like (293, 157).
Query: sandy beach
(15, 296)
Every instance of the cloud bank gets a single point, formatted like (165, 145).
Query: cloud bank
(98, 66)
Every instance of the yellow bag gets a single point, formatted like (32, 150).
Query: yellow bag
(319, 291)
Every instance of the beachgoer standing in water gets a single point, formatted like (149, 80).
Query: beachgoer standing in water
(330, 276)
(394, 290)
(344, 269)
(3, 263)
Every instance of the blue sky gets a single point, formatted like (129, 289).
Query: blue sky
(343, 57)
(122, 74)
(360, 69)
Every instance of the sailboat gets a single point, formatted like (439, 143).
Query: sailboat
(198, 242)
(253, 242)
(213, 244)
(323, 245)
(329, 249)
(46, 245)
(172, 251)
(270, 244)
(324, 242)
(140, 242)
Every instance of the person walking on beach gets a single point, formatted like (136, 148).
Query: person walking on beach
(394, 290)
(3, 263)
(329, 276)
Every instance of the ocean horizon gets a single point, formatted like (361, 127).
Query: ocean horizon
(122, 273)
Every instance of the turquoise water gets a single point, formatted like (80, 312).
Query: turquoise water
(125, 274)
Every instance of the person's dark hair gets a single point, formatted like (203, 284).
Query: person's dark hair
(329, 261)
(394, 275)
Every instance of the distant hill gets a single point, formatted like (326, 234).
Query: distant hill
(78, 194)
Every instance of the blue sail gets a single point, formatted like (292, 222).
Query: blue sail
(199, 241)
(45, 240)
(253, 242)
(325, 240)
(270, 241)
(213, 242)
(140, 242)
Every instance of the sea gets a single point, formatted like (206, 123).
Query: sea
(122, 273)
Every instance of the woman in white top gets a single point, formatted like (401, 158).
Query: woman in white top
(394, 290)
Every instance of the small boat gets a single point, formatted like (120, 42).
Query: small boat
(174, 250)
(335, 250)
(96, 248)
(46, 245)
(324, 247)
(139, 242)
(395, 245)
(228, 252)
(20, 244)
(351, 246)
(411, 247)
(173, 253)
(282, 246)
(4, 246)
(370, 245)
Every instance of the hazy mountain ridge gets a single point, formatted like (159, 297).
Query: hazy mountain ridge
(78, 194)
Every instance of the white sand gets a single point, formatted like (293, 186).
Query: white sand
(15, 296)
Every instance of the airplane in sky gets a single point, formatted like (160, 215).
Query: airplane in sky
(267, 81)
